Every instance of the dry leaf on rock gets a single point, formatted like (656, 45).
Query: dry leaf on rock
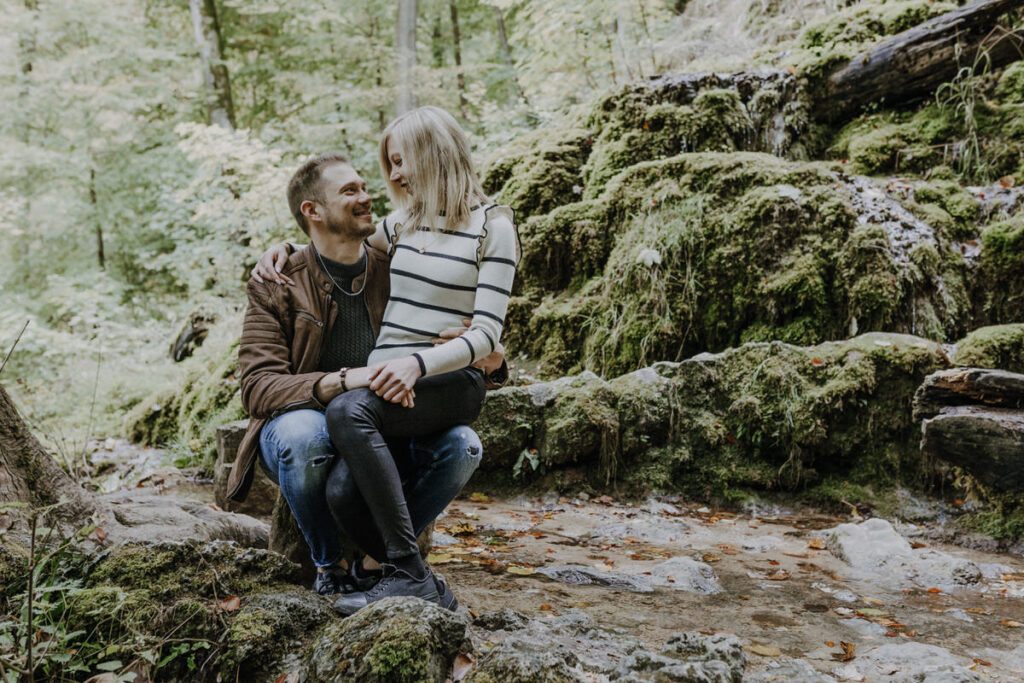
(849, 651)
(462, 666)
(816, 544)
(477, 497)
(230, 603)
(764, 650)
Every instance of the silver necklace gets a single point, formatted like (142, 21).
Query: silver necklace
(331, 278)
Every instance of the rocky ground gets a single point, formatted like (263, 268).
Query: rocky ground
(593, 588)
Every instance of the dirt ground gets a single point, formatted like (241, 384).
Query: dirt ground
(664, 565)
(780, 589)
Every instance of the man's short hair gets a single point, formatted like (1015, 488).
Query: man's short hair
(305, 184)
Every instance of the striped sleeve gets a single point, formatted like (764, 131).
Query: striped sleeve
(499, 258)
(381, 237)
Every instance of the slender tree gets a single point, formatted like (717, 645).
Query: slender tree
(206, 27)
(506, 55)
(460, 77)
(405, 42)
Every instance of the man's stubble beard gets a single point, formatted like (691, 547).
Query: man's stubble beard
(349, 230)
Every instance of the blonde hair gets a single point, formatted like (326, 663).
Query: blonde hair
(437, 163)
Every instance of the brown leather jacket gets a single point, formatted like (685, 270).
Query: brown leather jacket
(280, 347)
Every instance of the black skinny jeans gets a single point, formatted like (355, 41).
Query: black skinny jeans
(359, 421)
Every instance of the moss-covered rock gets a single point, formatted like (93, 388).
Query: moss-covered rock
(397, 640)
(999, 283)
(999, 347)
(763, 416)
(705, 251)
(188, 416)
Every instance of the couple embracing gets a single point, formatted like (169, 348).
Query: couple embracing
(365, 355)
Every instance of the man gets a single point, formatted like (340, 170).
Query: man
(301, 335)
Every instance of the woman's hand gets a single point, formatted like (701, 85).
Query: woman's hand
(488, 363)
(271, 264)
(397, 376)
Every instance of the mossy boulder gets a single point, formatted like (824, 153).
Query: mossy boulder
(759, 417)
(1000, 347)
(395, 640)
(706, 251)
(186, 417)
(999, 283)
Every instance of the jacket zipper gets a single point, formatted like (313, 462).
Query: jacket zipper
(320, 324)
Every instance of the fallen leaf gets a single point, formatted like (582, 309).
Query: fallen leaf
(98, 534)
(1010, 623)
(230, 603)
(817, 362)
(477, 497)
(830, 643)
(774, 563)
(777, 575)
(462, 665)
(916, 545)
(800, 555)
(440, 558)
(461, 529)
(519, 570)
(982, 662)
(873, 601)
(849, 651)
(1006, 182)
(727, 549)
(933, 590)
(710, 557)
(871, 612)
(290, 677)
(816, 544)
(1012, 577)
(546, 607)
(765, 650)
(604, 500)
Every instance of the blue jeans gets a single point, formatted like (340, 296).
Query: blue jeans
(297, 454)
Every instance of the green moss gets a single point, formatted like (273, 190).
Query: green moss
(1000, 278)
(1000, 347)
(1010, 87)
(833, 41)
(541, 171)
(189, 415)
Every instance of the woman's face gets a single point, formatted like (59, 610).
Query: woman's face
(395, 156)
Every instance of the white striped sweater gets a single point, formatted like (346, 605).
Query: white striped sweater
(439, 278)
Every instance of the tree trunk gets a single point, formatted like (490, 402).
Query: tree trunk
(100, 257)
(911, 65)
(405, 51)
(460, 78)
(506, 56)
(216, 81)
(27, 472)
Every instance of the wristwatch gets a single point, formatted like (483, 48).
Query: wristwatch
(341, 378)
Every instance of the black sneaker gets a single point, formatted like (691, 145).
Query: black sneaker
(330, 582)
(445, 597)
(394, 582)
(363, 579)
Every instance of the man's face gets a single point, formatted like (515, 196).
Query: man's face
(347, 209)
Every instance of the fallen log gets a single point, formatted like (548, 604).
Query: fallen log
(968, 386)
(911, 65)
(986, 442)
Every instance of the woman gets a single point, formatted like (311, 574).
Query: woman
(454, 257)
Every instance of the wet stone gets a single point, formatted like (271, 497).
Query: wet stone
(685, 574)
(581, 575)
(788, 671)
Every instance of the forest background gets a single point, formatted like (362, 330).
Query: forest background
(145, 146)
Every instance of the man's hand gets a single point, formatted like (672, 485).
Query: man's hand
(488, 363)
(270, 265)
(397, 376)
